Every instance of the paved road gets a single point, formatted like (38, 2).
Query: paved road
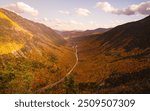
(61, 80)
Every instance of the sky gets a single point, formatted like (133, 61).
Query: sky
(79, 14)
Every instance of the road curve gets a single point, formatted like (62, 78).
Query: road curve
(61, 80)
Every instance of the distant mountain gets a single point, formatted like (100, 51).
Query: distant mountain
(68, 34)
(73, 34)
(97, 31)
(32, 55)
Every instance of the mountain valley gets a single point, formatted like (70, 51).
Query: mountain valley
(34, 57)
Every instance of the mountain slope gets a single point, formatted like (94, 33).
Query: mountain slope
(7, 44)
(117, 61)
(31, 54)
(130, 35)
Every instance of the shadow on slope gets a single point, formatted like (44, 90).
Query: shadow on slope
(137, 82)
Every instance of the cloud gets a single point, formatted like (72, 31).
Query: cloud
(105, 6)
(79, 11)
(83, 12)
(60, 24)
(21, 7)
(64, 12)
(45, 19)
(142, 8)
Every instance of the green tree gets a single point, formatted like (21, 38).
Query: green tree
(69, 85)
(53, 58)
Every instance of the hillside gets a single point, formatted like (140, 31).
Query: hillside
(130, 35)
(32, 55)
(117, 61)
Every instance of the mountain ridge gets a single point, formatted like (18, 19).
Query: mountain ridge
(29, 25)
(33, 56)
(74, 34)
(133, 33)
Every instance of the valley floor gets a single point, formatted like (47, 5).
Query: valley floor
(99, 72)
(50, 86)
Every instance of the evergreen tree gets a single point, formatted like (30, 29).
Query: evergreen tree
(70, 86)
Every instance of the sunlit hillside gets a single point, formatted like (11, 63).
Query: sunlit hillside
(31, 55)
(8, 29)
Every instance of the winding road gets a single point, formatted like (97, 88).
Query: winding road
(61, 80)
